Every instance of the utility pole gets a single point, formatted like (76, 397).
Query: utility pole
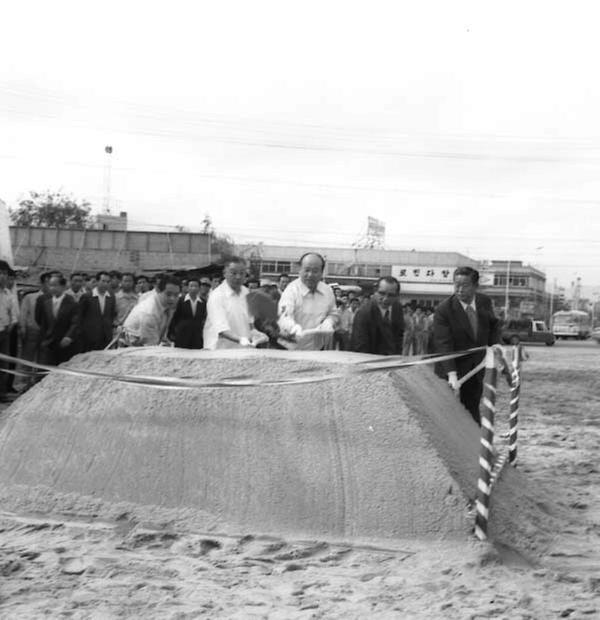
(506, 292)
(107, 175)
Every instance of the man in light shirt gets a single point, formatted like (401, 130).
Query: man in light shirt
(125, 298)
(9, 317)
(76, 289)
(228, 321)
(464, 321)
(307, 308)
(147, 323)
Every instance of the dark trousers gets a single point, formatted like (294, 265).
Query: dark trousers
(470, 395)
(13, 349)
(4, 349)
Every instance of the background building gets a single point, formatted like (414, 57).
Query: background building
(90, 250)
(523, 286)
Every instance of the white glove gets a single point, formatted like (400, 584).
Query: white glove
(453, 381)
(244, 342)
(258, 338)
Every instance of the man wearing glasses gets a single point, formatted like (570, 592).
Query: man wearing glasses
(379, 323)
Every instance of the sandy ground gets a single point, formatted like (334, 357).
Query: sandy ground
(70, 567)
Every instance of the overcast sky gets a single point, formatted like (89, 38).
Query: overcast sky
(465, 126)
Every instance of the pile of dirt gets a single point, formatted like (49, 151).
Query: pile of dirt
(363, 456)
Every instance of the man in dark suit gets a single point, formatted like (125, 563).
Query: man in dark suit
(59, 323)
(187, 323)
(378, 325)
(464, 321)
(98, 314)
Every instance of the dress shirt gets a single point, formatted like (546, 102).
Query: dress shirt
(193, 303)
(9, 309)
(56, 301)
(124, 302)
(101, 298)
(300, 309)
(76, 295)
(226, 310)
(147, 323)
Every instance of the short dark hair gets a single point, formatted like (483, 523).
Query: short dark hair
(44, 277)
(115, 274)
(102, 273)
(163, 280)
(140, 278)
(284, 275)
(61, 279)
(194, 279)
(128, 273)
(388, 280)
(319, 256)
(238, 260)
(471, 273)
(76, 274)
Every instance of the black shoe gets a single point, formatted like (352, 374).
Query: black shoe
(12, 390)
(5, 399)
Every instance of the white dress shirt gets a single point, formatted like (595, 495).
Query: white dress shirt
(146, 324)
(300, 310)
(193, 303)
(101, 298)
(226, 310)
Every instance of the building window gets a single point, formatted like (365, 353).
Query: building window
(284, 266)
(268, 267)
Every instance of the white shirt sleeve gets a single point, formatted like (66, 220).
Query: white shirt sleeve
(287, 308)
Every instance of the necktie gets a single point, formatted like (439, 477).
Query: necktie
(386, 316)
(472, 316)
(55, 306)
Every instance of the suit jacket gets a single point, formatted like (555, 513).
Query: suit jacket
(371, 333)
(96, 326)
(452, 332)
(185, 329)
(54, 329)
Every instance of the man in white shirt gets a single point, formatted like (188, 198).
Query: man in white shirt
(9, 317)
(228, 321)
(148, 321)
(307, 308)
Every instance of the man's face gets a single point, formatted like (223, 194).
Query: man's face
(184, 287)
(193, 289)
(253, 285)
(54, 287)
(90, 283)
(386, 294)
(311, 271)
(76, 283)
(204, 290)
(354, 304)
(215, 282)
(235, 274)
(464, 288)
(127, 284)
(170, 296)
(283, 282)
(103, 283)
(344, 300)
(115, 282)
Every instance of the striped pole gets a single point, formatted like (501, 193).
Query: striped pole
(515, 390)
(486, 450)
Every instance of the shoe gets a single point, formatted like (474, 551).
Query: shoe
(5, 399)
(12, 390)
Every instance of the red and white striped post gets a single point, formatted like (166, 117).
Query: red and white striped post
(515, 390)
(486, 449)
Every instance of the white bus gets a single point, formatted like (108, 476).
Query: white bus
(571, 324)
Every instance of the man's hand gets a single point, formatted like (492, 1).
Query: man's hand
(258, 338)
(453, 381)
(65, 342)
(244, 342)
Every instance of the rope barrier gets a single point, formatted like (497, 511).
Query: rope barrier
(375, 365)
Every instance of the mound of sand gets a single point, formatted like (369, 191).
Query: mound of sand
(377, 455)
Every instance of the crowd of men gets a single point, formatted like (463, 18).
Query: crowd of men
(112, 309)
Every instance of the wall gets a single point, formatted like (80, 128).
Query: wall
(90, 250)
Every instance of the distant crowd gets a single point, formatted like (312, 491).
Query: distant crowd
(110, 309)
